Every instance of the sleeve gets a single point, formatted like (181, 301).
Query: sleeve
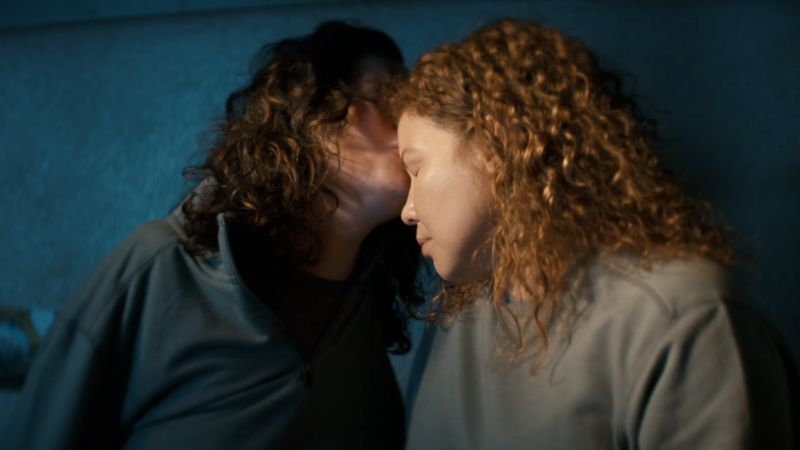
(75, 391)
(717, 380)
(69, 396)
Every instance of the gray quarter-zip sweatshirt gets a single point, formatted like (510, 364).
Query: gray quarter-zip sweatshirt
(676, 358)
(159, 349)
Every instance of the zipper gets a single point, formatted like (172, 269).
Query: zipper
(305, 374)
(305, 367)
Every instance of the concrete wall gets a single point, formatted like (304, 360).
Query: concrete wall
(19, 14)
(100, 117)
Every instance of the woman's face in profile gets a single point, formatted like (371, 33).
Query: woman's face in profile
(370, 173)
(448, 201)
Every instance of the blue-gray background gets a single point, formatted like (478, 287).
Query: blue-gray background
(103, 105)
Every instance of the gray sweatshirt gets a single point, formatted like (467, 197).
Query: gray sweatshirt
(159, 349)
(676, 358)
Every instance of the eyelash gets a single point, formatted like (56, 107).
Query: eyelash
(408, 169)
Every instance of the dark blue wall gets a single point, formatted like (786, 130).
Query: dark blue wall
(19, 14)
(99, 118)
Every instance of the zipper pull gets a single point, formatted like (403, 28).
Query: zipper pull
(305, 373)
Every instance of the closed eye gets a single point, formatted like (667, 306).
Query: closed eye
(403, 162)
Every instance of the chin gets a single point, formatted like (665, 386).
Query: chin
(460, 274)
(449, 274)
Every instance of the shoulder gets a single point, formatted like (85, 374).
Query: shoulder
(148, 244)
(152, 250)
(673, 287)
(680, 304)
(150, 238)
(687, 329)
(676, 303)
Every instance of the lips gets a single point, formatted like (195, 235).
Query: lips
(423, 242)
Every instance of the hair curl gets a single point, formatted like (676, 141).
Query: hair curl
(270, 164)
(575, 175)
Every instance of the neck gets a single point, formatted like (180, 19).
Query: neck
(341, 235)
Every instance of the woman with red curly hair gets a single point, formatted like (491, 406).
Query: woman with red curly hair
(586, 301)
(259, 314)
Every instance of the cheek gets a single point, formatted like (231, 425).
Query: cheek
(439, 207)
(455, 212)
(445, 195)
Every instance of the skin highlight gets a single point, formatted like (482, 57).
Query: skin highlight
(448, 201)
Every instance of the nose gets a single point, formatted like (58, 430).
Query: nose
(409, 213)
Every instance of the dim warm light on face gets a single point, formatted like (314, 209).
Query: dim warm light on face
(448, 200)
(369, 172)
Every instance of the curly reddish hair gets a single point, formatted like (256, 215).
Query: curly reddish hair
(575, 175)
(271, 163)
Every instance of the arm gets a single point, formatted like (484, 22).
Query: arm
(71, 396)
(716, 380)
(74, 391)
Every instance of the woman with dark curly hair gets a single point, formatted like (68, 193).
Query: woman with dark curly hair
(586, 302)
(259, 314)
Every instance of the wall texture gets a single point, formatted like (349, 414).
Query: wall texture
(17, 14)
(100, 117)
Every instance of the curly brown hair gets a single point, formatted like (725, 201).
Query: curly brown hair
(575, 175)
(270, 164)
